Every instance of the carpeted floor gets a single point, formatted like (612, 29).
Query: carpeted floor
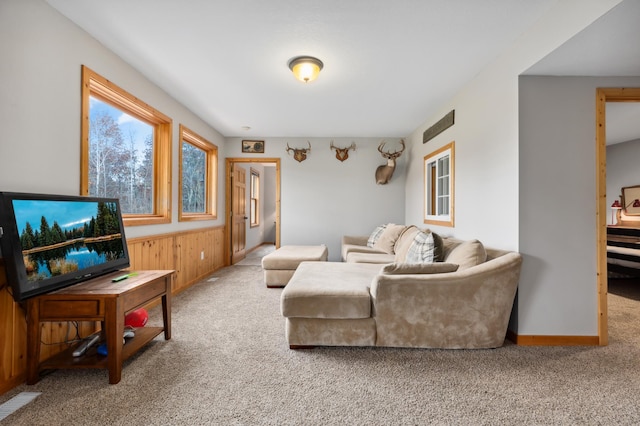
(228, 363)
(254, 257)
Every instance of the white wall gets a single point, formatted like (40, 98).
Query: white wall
(323, 199)
(486, 134)
(558, 203)
(488, 181)
(269, 207)
(40, 71)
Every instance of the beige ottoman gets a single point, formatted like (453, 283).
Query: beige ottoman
(280, 265)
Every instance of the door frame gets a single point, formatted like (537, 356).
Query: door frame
(604, 95)
(227, 177)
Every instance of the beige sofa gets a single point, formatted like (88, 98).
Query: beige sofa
(463, 301)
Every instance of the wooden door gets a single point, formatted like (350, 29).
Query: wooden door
(238, 212)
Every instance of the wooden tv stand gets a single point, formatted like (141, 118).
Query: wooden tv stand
(98, 299)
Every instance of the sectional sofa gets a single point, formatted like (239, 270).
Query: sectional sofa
(459, 296)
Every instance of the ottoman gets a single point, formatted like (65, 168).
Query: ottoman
(280, 265)
(329, 304)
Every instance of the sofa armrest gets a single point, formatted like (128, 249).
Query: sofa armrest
(353, 243)
(356, 240)
(462, 309)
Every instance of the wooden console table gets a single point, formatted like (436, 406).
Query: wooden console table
(98, 299)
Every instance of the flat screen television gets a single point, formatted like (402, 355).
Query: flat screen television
(53, 241)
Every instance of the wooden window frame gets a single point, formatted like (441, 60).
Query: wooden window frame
(211, 176)
(431, 192)
(95, 85)
(253, 172)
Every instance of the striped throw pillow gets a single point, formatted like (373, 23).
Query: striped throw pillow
(375, 235)
(422, 249)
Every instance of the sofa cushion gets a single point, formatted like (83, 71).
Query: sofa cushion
(388, 238)
(422, 248)
(289, 257)
(404, 241)
(370, 257)
(467, 254)
(329, 290)
(375, 235)
(418, 268)
(348, 249)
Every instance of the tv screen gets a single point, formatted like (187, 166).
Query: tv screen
(53, 241)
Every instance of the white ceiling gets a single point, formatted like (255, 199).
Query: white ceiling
(388, 64)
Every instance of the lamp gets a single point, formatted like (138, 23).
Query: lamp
(305, 68)
(615, 206)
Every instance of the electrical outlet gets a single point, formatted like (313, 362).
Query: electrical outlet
(202, 255)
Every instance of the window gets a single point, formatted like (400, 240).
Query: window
(125, 151)
(198, 177)
(438, 186)
(255, 198)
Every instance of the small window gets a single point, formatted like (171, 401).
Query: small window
(198, 177)
(125, 151)
(438, 186)
(255, 199)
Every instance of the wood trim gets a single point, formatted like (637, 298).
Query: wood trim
(253, 172)
(604, 95)
(227, 177)
(532, 340)
(452, 205)
(187, 135)
(96, 85)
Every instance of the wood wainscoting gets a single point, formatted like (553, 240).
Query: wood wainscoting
(192, 254)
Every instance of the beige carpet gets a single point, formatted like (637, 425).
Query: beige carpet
(254, 257)
(228, 363)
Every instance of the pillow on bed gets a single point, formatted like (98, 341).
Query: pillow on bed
(419, 268)
(375, 235)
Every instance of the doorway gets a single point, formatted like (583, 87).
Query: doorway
(233, 231)
(604, 95)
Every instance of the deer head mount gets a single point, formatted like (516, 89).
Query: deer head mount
(384, 172)
(299, 154)
(343, 153)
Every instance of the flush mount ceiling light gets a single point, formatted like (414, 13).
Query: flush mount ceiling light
(305, 68)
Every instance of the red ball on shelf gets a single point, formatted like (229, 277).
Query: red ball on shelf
(137, 318)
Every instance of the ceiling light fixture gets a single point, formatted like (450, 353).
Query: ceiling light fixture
(305, 68)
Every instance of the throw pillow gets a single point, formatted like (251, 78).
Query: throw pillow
(419, 268)
(439, 250)
(375, 235)
(467, 254)
(422, 248)
(388, 239)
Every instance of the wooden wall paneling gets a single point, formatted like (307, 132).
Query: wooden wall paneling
(178, 259)
(7, 326)
(219, 249)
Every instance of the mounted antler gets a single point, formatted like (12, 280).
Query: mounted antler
(299, 154)
(343, 153)
(384, 172)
